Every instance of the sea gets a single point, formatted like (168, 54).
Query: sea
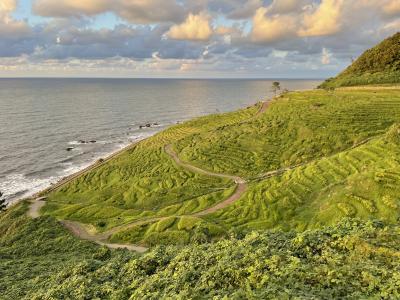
(52, 128)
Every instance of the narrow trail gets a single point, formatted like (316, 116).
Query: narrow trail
(84, 232)
(81, 231)
(263, 108)
(240, 182)
(368, 87)
(35, 207)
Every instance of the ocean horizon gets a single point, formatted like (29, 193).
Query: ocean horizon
(52, 128)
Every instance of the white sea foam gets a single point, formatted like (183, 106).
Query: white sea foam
(18, 186)
(82, 143)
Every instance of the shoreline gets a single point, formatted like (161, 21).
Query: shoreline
(92, 166)
(89, 167)
(103, 160)
(96, 164)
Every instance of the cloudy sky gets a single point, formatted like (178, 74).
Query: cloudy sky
(189, 38)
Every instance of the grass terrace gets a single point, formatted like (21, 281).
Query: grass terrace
(311, 159)
(144, 182)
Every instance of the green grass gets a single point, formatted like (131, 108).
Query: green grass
(39, 259)
(143, 182)
(376, 78)
(363, 182)
(33, 250)
(327, 228)
(171, 231)
(296, 128)
(317, 131)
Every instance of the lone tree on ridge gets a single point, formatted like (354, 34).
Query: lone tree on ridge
(276, 86)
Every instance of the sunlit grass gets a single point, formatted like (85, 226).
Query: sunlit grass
(144, 182)
(345, 165)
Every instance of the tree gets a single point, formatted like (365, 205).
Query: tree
(2, 202)
(276, 86)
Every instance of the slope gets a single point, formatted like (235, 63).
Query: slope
(378, 65)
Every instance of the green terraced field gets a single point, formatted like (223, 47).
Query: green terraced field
(311, 159)
(297, 201)
(296, 128)
(363, 182)
(144, 182)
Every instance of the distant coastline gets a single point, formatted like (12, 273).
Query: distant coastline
(43, 120)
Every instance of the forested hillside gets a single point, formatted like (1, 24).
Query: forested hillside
(379, 65)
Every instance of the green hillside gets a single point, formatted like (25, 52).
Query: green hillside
(144, 182)
(310, 159)
(317, 180)
(39, 259)
(379, 65)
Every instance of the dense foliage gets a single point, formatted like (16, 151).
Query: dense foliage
(354, 259)
(379, 65)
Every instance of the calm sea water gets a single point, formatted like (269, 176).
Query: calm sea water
(41, 118)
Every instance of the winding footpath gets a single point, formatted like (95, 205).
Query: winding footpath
(241, 185)
(82, 231)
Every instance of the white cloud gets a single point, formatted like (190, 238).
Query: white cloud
(6, 8)
(392, 7)
(65, 8)
(326, 19)
(246, 10)
(195, 27)
(10, 28)
(286, 6)
(326, 57)
(392, 26)
(268, 29)
(224, 30)
(261, 36)
(134, 11)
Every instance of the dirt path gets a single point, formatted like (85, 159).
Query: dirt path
(174, 156)
(368, 87)
(263, 108)
(81, 231)
(240, 182)
(35, 207)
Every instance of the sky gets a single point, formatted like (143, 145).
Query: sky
(189, 38)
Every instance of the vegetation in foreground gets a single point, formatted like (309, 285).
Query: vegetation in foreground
(322, 225)
(379, 66)
(39, 259)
